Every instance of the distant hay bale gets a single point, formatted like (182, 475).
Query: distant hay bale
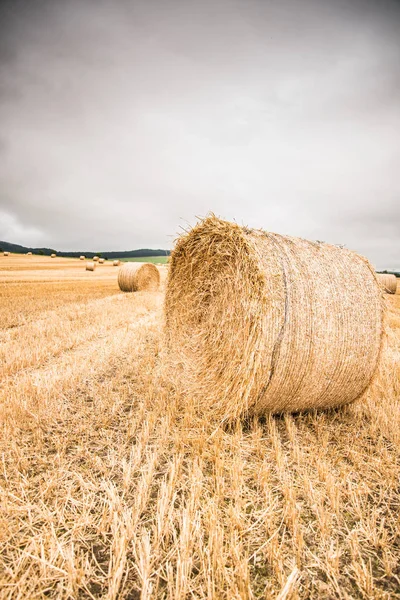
(388, 282)
(90, 266)
(134, 277)
(101, 261)
(95, 258)
(259, 322)
(52, 255)
(116, 263)
(6, 253)
(82, 257)
(29, 253)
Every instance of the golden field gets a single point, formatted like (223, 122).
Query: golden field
(112, 487)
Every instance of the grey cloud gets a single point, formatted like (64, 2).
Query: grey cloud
(122, 120)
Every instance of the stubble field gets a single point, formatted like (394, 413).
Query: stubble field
(113, 487)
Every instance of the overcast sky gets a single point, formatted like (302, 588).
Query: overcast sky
(122, 121)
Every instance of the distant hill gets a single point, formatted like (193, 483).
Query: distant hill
(16, 248)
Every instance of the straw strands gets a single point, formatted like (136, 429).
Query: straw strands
(260, 322)
(388, 282)
(90, 266)
(134, 277)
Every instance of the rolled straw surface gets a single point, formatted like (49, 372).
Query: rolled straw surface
(101, 261)
(90, 266)
(95, 258)
(82, 257)
(388, 282)
(133, 277)
(52, 256)
(261, 322)
(116, 263)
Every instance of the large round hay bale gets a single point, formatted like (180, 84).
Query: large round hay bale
(6, 253)
(95, 258)
(90, 266)
(52, 255)
(388, 282)
(101, 261)
(260, 322)
(116, 263)
(82, 257)
(134, 277)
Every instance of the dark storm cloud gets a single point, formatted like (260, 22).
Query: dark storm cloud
(122, 120)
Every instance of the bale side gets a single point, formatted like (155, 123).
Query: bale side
(101, 261)
(134, 277)
(116, 263)
(82, 257)
(52, 256)
(95, 258)
(6, 253)
(90, 266)
(260, 322)
(388, 282)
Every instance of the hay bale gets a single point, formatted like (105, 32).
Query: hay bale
(95, 258)
(6, 253)
(387, 282)
(29, 253)
(101, 261)
(134, 277)
(260, 322)
(82, 257)
(52, 256)
(90, 266)
(116, 263)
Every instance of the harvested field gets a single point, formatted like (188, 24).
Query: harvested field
(113, 487)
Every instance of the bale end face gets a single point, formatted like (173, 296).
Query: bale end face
(135, 277)
(261, 323)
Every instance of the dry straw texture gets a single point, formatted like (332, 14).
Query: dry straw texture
(53, 255)
(90, 266)
(260, 322)
(101, 261)
(388, 282)
(82, 257)
(133, 277)
(95, 258)
(116, 263)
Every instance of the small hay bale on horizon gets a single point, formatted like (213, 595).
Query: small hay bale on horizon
(135, 277)
(388, 282)
(52, 255)
(95, 258)
(116, 263)
(29, 253)
(101, 261)
(82, 257)
(259, 322)
(90, 266)
(6, 253)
